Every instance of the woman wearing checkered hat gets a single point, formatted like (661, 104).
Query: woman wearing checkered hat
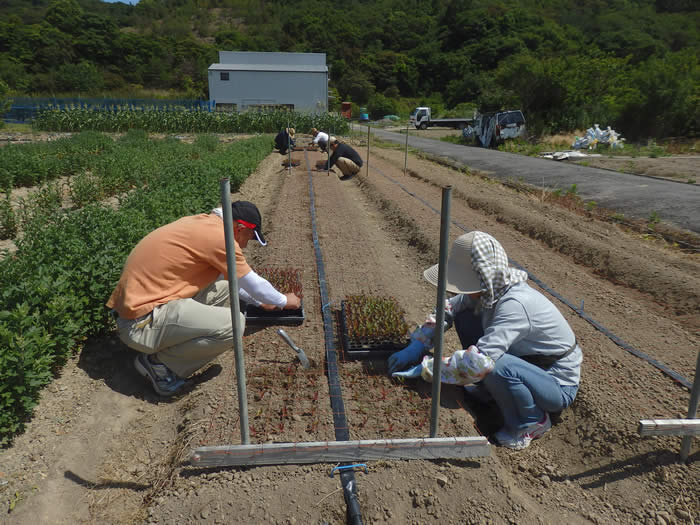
(529, 361)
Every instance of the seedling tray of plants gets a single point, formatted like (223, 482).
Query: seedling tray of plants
(285, 280)
(372, 327)
(256, 315)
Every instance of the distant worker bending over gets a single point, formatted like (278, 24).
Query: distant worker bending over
(346, 158)
(170, 303)
(320, 139)
(284, 140)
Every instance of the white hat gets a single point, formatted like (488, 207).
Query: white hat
(461, 277)
(332, 140)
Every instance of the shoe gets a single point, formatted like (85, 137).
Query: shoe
(347, 177)
(164, 381)
(523, 438)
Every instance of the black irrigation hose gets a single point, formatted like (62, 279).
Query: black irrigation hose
(342, 433)
(619, 342)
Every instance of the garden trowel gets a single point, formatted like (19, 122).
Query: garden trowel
(300, 353)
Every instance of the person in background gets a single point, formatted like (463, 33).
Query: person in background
(170, 303)
(285, 140)
(535, 358)
(346, 158)
(320, 139)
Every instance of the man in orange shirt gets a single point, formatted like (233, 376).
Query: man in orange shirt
(170, 304)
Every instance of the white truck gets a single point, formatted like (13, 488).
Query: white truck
(421, 119)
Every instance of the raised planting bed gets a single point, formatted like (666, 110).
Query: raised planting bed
(286, 280)
(372, 327)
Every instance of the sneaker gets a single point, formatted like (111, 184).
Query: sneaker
(523, 438)
(164, 381)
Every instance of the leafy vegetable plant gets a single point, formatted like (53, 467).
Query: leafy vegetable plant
(285, 280)
(374, 320)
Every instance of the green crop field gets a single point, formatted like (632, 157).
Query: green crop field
(68, 258)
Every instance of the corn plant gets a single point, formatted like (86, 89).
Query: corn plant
(182, 120)
(374, 319)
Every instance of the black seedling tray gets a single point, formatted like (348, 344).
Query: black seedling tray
(370, 350)
(255, 315)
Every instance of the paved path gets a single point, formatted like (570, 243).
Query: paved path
(632, 195)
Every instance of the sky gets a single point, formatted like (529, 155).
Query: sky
(132, 2)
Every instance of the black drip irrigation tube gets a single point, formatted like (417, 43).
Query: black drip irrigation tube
(342, 433)
(615, 339)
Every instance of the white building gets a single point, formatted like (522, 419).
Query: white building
(249, 79)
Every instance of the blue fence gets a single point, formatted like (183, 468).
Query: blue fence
(24, 109)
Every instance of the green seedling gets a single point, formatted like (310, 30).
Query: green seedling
(653, 220)
(374, 319)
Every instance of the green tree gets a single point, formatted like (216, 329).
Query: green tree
(5, 101)
(379, 105)
(82, 77)
(64, 15)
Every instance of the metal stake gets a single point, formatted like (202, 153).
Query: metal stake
(289, 149)
(405, 159)
(692, 410)
(368, 128)
(235, 308)
(328, 153)
(440, 308)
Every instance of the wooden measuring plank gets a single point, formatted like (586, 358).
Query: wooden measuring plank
(669, 427)
(340, 451)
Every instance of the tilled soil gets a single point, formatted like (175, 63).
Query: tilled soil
(103, 448)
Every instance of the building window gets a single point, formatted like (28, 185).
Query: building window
(224, 75)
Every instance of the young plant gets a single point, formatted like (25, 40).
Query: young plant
(286, 280)
(374, 319)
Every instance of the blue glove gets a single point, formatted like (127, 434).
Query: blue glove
(407, 357)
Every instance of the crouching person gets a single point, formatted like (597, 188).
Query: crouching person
(521, 352)
(284, 140)
(170, 303)
(346, 158)
(320, 139)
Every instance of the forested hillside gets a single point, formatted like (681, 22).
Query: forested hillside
(632, 64)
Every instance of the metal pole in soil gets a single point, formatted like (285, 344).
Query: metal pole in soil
(328, 153)
(440, 308)
(235, 309)
(368, 137)
(692, 410)
(289, 148)
(405, 159)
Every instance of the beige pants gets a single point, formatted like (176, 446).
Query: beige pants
(184, 334)
(347, 166)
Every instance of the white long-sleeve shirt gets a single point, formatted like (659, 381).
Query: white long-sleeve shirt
(321, 137)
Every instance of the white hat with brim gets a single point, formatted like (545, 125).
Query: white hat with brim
(461, 277)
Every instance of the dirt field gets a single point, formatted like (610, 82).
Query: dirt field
(103, 448)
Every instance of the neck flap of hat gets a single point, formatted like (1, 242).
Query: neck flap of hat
(490, 261)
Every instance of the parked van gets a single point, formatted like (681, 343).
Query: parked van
(495, 127)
